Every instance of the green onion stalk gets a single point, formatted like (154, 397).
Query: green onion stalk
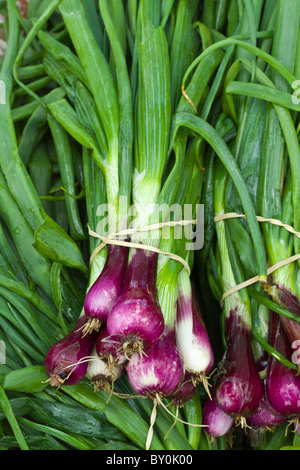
(24, 195)
(238, 388)
(176, 293)
(191, 333)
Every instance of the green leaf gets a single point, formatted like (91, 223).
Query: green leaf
(68, 418)
(52, 242)
(118, 412)
(154, 98)
(262, 92)
(62, 52)
(5, 405)
(31, 379)
(96, 68)
(20, 406)
(56, 270)
(115, 445)
(290, 448)
(67, 117)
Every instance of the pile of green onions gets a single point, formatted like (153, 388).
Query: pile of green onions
(121, 114)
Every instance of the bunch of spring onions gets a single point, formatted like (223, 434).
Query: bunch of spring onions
(258, 384)
(124, 308)
(129, 320)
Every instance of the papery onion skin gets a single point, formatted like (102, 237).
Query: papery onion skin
(137, 314)
(62, 360)
(159, 371)
(238, 390)
(282, 382)
(109, 347)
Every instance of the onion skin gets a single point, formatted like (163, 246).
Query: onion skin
(282, 382)
(137, 315)
(218, 423)
(238, 389)
(104, 292)
(67, 352)
(159, 371)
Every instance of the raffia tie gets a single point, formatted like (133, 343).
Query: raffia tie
(261, 279)
(114, 239)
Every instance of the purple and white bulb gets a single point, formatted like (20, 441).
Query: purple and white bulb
(191, 333)
(66, 360)
(159, 371)
(238, 389)
(101, 374)
(216, 421)
(266, 415)
(282, 382)
(136, 317)
(105, 290)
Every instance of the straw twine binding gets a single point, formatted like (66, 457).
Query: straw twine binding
(261, 279)
(113, 240)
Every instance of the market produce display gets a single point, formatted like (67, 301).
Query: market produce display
(149, 225)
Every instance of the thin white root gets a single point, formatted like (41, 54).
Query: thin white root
(292, 421)
(152, 422)
(174, 422)
(160, 402)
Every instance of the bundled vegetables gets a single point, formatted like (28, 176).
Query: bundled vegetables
(149, 225)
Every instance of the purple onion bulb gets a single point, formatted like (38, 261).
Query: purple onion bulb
(238, 389)
(191, 334)
(266, 415)
(136, 316)
(282, 382)
(101, 375)
(104, 292)
(185, 391)
(65, 360)
(216, 421)
(159, 371)
(290, 301)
